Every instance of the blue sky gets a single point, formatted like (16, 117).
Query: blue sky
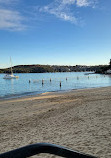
(55, 32)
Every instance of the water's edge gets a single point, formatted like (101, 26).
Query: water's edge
(33, 94)
(50, 82)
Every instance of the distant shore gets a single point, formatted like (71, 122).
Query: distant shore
(37, 68)
(78, 119)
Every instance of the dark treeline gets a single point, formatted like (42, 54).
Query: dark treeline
(53, 68)
(103, 69)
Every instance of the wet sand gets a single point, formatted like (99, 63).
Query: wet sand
(80, 120)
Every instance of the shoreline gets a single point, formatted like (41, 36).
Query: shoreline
(47, 95)
(77, 119)
(33, 94)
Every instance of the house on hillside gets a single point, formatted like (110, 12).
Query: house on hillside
(108, 71)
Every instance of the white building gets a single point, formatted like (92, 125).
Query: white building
(108, 71)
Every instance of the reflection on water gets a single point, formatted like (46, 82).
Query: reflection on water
(37, 83)
(12, 87)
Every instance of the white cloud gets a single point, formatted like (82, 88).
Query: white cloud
(83, 3)
(86, 3)
(61, 8)
(11, 20)
(68, 1)
(79, 3)
(7, 2)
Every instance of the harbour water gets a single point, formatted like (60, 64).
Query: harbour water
(49, 82)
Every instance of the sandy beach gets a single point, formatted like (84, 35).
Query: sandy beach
(79, 120)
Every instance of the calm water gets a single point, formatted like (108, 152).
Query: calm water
(75, 80)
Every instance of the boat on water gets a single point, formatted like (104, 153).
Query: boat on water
(10, 76)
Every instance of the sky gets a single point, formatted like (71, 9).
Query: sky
(55, 32)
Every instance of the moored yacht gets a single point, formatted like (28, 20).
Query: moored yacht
(10, 76)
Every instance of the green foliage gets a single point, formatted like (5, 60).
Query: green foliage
(53, 68)
(102, 69)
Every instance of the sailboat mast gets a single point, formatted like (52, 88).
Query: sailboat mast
(11, 66)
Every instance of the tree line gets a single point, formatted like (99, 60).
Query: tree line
(54, 68)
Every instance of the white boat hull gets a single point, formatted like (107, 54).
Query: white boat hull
(10, 77)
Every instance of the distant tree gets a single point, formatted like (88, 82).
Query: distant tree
(110, 63)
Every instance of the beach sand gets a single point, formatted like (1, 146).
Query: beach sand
(79, 120)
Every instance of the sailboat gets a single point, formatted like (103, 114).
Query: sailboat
(10, 76)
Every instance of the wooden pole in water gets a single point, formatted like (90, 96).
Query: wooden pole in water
(77, 77)
(42, 81)
(50, 79)
(60, 84)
